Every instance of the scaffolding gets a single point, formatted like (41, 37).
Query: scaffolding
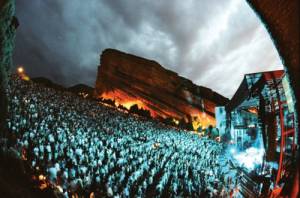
(263, 103)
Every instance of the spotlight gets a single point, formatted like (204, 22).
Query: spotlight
(232, 151)
(20, 69)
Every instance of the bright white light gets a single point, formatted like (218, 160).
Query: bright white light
(250, 158)
(20, 69)
(41, 177)
(60, 189)
(232, 150)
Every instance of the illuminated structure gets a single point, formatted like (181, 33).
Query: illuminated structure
(260, 120)
(21, 73)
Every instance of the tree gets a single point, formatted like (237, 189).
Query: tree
(134, 109)
(144, 112)
(122, 107)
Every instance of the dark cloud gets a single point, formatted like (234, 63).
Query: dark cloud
(211, 42)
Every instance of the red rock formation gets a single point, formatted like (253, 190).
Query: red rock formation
(129, 80)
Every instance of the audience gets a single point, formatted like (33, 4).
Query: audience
(85, 148)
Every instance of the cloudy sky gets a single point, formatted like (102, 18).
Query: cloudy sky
(212, 42)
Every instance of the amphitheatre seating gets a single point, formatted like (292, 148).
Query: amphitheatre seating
(85, 147)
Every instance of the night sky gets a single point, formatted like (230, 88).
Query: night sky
(212, 42)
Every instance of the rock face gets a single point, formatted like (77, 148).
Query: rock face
(8, 25)
(281, 19)
(129, 80)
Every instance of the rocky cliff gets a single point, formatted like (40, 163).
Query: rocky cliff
(8, 25)
(129, 80)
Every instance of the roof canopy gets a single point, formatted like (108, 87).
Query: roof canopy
(251, 85)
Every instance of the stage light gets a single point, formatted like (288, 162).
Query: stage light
(41, 177)
(20, 69)
(232, 151)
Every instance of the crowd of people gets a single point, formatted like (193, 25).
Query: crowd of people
(88, 149)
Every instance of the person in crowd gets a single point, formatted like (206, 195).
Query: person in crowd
(86, 148)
